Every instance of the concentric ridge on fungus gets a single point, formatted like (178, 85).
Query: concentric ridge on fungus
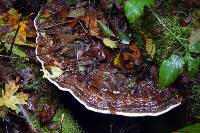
(98, 85)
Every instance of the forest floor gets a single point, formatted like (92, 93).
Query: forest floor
(30, 103)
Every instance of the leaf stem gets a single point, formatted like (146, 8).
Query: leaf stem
(159, 20)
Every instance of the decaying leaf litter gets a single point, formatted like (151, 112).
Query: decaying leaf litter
(99, 33)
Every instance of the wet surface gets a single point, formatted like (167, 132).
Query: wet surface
(89, 71)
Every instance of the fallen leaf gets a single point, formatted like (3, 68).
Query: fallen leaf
(4, 28)
(19, 52)
(1, 20)
(91, 24)
(110, 43)
(16, 50)
(117, 60)
(54, 72)
(8, 38)
(30, 29)
(75, 13)
(12, 17)
(10, 99)
(66, 38)
(150, 47)
(105, 29)
(132, 56)
(135, 53)
(45, 16)
(22, 30)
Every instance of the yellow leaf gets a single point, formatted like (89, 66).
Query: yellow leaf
(7, 38)
(1, 20)
(44, 17)
(110, 43)
(18, 41)
(14, 12)
(150, 47)
(12, 17)
(10, 99)
(116, 60)
(22, 30)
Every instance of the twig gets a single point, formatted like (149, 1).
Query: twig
(27, 119)
(86, 31)
(61, 122)
(12, 44)
(14, 57)
(8, 56)
(1, 42)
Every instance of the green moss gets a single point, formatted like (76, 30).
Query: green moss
(170, 13)
(42, 100)
(36, 124)
(166, 43)
(196, 98)
(21, 64)
(68, 124)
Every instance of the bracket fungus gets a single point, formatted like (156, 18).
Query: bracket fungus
(74, 45)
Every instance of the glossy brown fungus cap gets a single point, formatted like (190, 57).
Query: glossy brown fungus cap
(74, 44)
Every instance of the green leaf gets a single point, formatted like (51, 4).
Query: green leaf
(17, 51)
(194, 128)
(170, 69)
(109, 43)
(119, 2)
(193, 67)
(134, 8)
(55, 72)
(105, 29)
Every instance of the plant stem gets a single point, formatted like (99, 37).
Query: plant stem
(159, 20)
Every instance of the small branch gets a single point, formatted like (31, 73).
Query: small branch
(27, 119)
(61, 122)
(7, 56)
(1, 42)
(12, 44)
(86, 32)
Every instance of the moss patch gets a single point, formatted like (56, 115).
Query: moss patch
(68, 124)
